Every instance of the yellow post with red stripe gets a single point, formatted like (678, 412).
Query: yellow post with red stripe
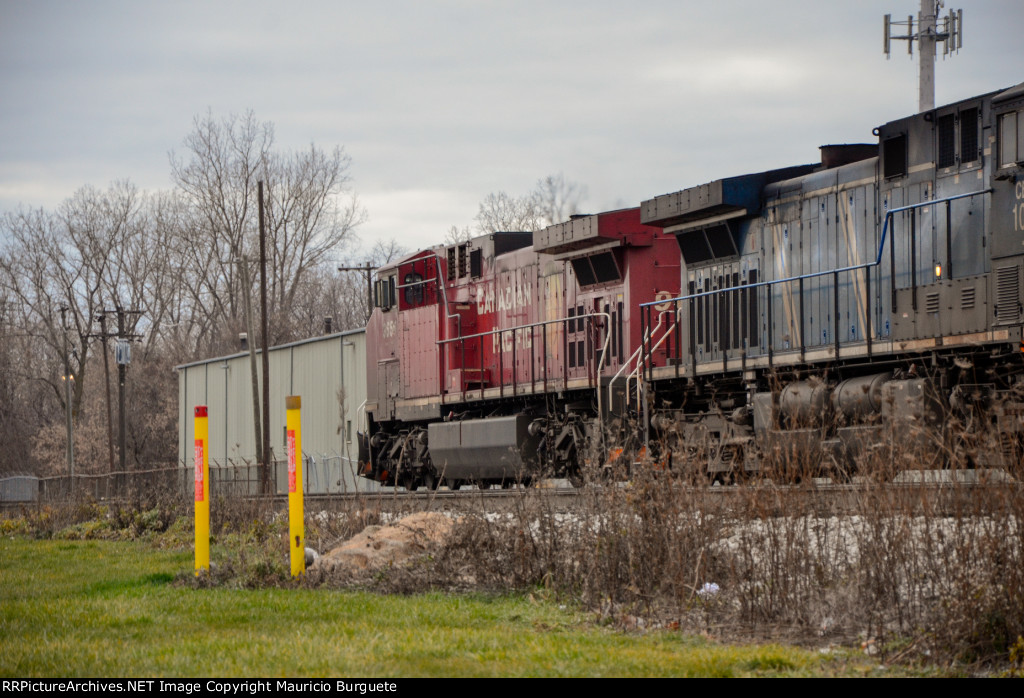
(202, 479)
(296, 525)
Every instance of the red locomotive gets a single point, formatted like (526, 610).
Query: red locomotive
(485, 357)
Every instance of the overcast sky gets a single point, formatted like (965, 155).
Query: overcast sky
(440, 103)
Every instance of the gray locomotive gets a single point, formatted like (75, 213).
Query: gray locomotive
(834, 314)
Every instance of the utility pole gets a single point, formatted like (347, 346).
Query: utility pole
(67, 399)
(950, 31)
(251, 346)
(367, 269)
(123, 356)
(103, 336)
(264, 339)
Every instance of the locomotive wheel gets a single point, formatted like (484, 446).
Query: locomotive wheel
(430, 480)
(452, 483)
(409, 482)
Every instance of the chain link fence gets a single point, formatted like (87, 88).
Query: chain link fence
(324, 474)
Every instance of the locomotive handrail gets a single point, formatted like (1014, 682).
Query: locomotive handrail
(635, 373)
(519, 327)
(645, 316)
(625, 364)
(530, 326)
(913, 246)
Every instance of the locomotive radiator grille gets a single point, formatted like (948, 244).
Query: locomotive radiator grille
(1007, 294)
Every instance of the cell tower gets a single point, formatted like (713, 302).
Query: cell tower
(929, 32)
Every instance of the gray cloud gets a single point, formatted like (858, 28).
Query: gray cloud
(440, 103)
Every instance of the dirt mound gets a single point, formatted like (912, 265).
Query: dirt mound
(382, 546)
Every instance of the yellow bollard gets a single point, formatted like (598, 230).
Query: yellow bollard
(296, 525)
(202, 476)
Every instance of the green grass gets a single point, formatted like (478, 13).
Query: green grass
(122, 608)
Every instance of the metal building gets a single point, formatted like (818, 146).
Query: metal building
(328, 373)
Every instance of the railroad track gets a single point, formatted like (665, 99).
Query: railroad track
(937, 493)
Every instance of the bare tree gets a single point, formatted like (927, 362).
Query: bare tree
(218, 182)
(175, 258)
(457, 235)
(384, 252)
(16, 398)
(553, 200)
(73, 260)
(58, 271)
(556, 199)
(311, 214)
(502, 212)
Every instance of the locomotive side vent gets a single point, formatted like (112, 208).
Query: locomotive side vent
(969, 135)
(1007, 294)
(894, 156)
(947, 140)
(931, 302)
(967, 298)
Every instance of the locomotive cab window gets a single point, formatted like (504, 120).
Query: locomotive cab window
(707, 243)
(418, 283)
(413, 284)
(384, 293)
